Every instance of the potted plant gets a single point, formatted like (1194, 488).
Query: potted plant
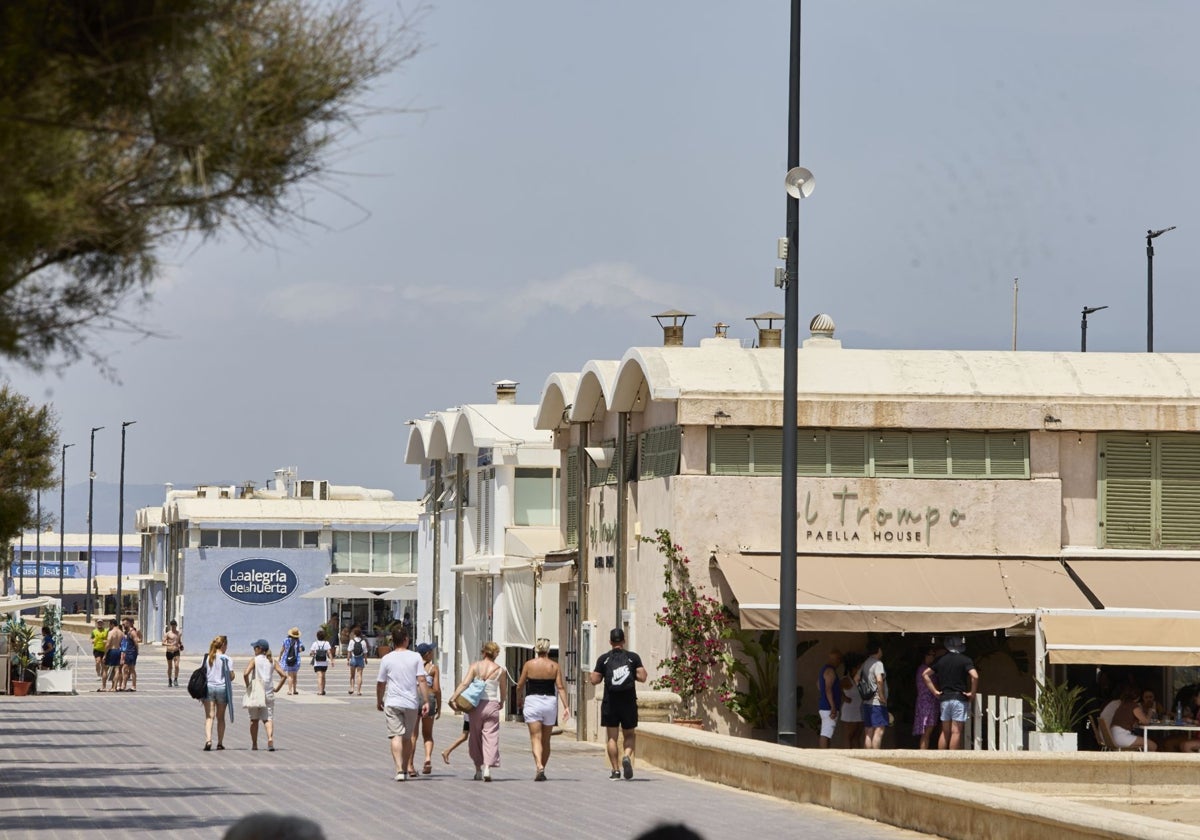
(59, 679)
(696, 622)
(758, 669)
(383, 631)
(24, 672)
(1058, 708)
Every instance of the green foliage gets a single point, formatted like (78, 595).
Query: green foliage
(20, 636)
(696, 622)
(127, 125)
(1059, 707)
(52, 618)
(28, 443)
(758, 669)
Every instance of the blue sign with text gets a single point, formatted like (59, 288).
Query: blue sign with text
(258, 580)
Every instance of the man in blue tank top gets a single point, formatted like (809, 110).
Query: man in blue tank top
(829, 696)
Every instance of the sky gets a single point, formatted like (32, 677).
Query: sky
(545, 176)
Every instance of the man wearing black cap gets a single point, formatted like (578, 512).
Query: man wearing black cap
(955, 687)
(619, 669)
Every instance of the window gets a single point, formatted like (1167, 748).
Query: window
(289, 539)
(311, 539)
(381, 552)
(231, 538)
(210, 539)
(535, 498)
(1149, 491)
(404, 555)
(659, 452)
(485, 486)
(360, 552)
(572, 480)
(882, 454)
(341, 551)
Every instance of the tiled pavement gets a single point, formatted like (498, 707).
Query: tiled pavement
(131, 764)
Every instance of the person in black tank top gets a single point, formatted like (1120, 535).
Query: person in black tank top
(538, 691)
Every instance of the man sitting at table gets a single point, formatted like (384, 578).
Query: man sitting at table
(1126, 718)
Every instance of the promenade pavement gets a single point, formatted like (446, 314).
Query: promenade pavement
(131, 764)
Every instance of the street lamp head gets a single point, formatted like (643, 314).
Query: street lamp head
(1088, 310)
(798, 182)
(1154, 234)
(127, 423)
(96, 429)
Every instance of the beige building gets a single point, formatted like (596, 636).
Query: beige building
(1045, 502)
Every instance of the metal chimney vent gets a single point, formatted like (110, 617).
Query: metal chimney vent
(672, 332)
(506, 391)
(769, 335)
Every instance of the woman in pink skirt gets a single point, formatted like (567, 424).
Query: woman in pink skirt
(927, 712)
(484, 740)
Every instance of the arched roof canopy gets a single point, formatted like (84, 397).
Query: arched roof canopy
(418, 442)
(593, 393)
(557, 394)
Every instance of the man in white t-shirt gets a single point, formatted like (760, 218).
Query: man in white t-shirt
(875, 711)
(400, 694)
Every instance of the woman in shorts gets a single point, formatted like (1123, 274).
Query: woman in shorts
(538, 691)
(173, 644)
(265, 669)
(356, 658)
(321, 656)
(220, 691)
(433, 681)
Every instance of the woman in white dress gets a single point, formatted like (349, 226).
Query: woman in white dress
(263, 668)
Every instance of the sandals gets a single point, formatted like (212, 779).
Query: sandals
(207, 746)
(428, 768)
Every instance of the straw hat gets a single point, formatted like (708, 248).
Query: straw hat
(294, 632)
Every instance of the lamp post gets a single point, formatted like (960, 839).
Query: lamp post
(121, 522)
(1087, 310)
(91, 497)
(37, 581)
(1150, 236)
(62, 513)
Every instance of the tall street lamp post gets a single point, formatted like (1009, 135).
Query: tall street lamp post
(91, 497)
(121, 523)
(1087, 310)
(62, 513)
(37, 581)
(1150, 236)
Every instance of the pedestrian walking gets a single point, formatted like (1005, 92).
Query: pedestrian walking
(321, 656)
(539, 688)
(401, 693)
(112, 656)
(220, 691)
(130, 648)
(263, 668)
(462, 739)
(99, 637)
(356, 658)
(289, 656)
(47, 648)
(620, 670)
(173, 643)
(424, 730)
(483, 741)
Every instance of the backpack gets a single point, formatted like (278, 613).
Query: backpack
(866, 686)
(319, 653)
(198, 682)
(618, 671)
(357, 649)
(293, 654)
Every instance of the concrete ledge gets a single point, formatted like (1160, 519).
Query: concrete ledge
(897, 795)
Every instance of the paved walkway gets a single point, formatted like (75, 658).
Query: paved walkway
(132, 764)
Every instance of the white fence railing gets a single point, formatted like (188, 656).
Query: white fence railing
(995, 723)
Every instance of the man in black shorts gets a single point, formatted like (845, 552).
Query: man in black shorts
(619, 670)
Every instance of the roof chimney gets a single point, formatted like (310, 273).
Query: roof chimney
(506, 391)
(672, 332)
(769, 335)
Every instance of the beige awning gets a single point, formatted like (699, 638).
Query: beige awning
(853, 593)
(1141, 584)
(531, 542)
(1145, 639)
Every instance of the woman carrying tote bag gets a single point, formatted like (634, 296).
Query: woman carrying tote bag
(259, 701)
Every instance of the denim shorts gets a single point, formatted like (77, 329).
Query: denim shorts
(954, 710)
(874, 716)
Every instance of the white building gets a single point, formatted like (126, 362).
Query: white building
(237, 560)
(491, 517)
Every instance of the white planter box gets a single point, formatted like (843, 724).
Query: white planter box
(1053, 741)
(56, 682)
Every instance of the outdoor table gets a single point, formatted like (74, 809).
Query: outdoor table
(1164, 726)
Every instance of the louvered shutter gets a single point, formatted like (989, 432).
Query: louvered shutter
(968, 454)
(729, 452)
(1127, 486)
(930, 454)
(1008, 454)
(572, 497)
(1179, 488)
(889, 451)
(811, 455)
(768, 451)
(848, 453)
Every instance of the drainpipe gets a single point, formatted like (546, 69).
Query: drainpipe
(460, 491)
(436, 524)
(622, 572)
(583, 559)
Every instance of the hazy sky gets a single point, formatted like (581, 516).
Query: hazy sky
(575, 167)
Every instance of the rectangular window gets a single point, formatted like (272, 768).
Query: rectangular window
(381, 552)
(1148, 491)
(535, 499)
(312, 539)
(231, 539)
(403, 552)
(210, 539)
(341, 551)
(572, 489)
(289, 539)
(251, 539)
(882, 453)
(272, 539)
(659, 450)
(360, 552)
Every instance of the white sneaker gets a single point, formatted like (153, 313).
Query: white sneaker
(400, 777)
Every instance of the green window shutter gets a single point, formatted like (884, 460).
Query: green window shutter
(811, 455)
(1127, 488)
(767, 451)
(1008, 454)
(848, 453)
(968, 454)
(729, 452)
(890, 453)
(572, 497)
(930, 454)
(1179, 505)
(631, 451)
(660, 452)
(597, 476)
